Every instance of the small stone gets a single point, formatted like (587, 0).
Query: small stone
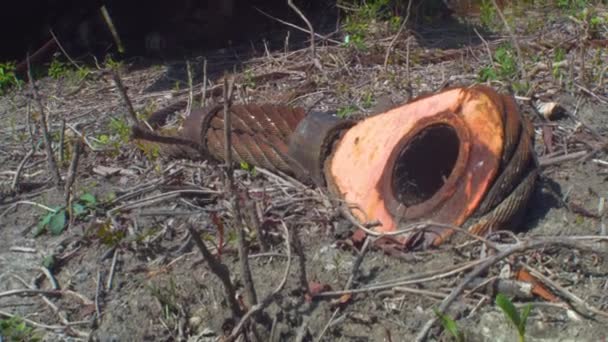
(550, 110)
(195, 321)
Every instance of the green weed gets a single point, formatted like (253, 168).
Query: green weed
(58, 69)
(56, 220)
(560, 55)
(119, 134)
(111, 63)
(249, 168)
(15, 329)
(359, 24)
(487, 13)
(104, 233)
(8, 78)
(368, 100)
(518, 319)
(505, 65)
(249, 79)
(121, 128)
(347, 111)
(450, 325)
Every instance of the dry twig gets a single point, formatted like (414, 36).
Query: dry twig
(349, 283)
(489, 262)
(243, 247)
(204, 89)
(313, 51)
(132, 117)
(15, 183)
(266, 301)
(53, 168)
(220, 270)
(72, 172)
(190, 88)
(396, 37)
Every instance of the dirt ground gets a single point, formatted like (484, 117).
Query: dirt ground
(128, 270)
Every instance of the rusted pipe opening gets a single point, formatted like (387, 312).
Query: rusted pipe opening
(424, 164)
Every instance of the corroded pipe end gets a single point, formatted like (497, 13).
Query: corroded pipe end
(311, 143)
(439, 158)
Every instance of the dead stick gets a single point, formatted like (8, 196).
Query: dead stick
(132, 117)
(565, 293)
(63, 50)
(517, 248)
(71, 177)
(313, 51)
(243, 247)
(72, 171)
(394, 40)
(20, 169)
(220, 270)
(301, 29)
(266, 301)
(297, 246)
(204, 90)
(30, 127)
(190, 88)
(62, 140)
(544, 162)
(53, 169)
(108, 20)
(349, 283)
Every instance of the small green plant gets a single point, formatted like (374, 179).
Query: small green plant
(121, 128)
(58, 69)
(249, 79)
(15, 329)
(487, 13)
(82, 73)
(74, 73)
(505, 65)
(572, 5)
(249, 168)
(487, 74)
(118, 135)
(151, 151)
(394, 23)
(450, 325)
(359, 24)
(367, 101)
(8, 78)
(347, 111)
(560, 55)
(103, 232)
(55, 221)
(518, 320)
(111, 63)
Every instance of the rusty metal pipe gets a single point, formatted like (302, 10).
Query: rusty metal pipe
(461, 157)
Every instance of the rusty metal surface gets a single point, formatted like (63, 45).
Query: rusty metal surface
(311, 142)
(259, 133)
(487, 187)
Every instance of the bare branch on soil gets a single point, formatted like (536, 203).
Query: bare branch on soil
(53, 168)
